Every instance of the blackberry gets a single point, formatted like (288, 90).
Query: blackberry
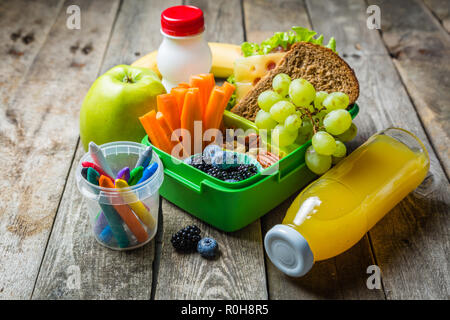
(186, 239)
(237, 173)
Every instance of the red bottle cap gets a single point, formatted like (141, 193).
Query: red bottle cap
(181, 21)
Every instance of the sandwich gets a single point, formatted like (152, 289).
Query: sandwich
(307, 59)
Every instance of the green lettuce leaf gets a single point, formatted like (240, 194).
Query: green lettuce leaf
(303, 34)
(250, 49)
(332, 44)
(285, 39)
(319, 40)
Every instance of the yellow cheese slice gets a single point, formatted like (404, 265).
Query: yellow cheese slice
(242, 88)
(249, 70)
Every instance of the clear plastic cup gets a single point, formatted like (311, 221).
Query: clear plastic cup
(127, 218)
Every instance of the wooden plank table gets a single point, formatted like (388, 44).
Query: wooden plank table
(46, 244)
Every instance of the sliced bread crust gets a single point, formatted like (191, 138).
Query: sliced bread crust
(319, 65)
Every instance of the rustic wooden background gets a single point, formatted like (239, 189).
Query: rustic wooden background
(46, 69)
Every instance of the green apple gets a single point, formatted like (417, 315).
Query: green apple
(114, 103)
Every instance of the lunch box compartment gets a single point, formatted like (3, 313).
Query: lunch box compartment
(232, 206)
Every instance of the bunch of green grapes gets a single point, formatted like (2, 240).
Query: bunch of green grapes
(295, 113)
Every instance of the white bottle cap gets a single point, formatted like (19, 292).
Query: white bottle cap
(288, 250)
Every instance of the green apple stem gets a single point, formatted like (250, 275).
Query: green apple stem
(128, 79)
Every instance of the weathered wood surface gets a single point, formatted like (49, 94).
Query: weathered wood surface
(104, 274)
(441, 9)
(239, 272)
(39, 133)
(406, 240)
(45, 238)
(421, 53)
(22, 34)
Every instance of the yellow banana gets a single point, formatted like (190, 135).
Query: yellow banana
(223, 56)
(148, 61)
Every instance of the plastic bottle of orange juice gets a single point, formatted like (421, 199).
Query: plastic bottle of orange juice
(334, 212)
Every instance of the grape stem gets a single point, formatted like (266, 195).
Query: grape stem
(315, 122)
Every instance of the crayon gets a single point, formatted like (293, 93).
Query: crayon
(92, 176)
(100, 220)
(94, 166)
(106, 235)
(137, 206)
(148, 172)
(111, 215)
(99, 159)
(124, 174)
(126, 214)
(100, 223)
(135, 175)
(84, 172)
(144, 158)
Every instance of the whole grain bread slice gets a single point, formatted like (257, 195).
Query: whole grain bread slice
(319, 65)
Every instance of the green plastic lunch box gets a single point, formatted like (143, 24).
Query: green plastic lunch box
(230, 206)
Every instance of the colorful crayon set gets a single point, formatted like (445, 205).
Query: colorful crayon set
(127, 206)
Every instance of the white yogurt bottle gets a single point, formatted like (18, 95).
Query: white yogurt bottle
(184, 51)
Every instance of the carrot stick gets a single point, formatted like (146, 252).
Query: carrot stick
(229, 89)
(209, 85)
(164, 124)
(215, 100)
(147, 127)
(184, 85)
(191, 112)
(179, 94)
(126, 214)
(220, 109)
(167, 104)
(198, 82)
(205, 82)
(156, 134)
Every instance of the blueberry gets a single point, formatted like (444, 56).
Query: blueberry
(231, 180)
(210, 151)
(207, 247)
(225, 160)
